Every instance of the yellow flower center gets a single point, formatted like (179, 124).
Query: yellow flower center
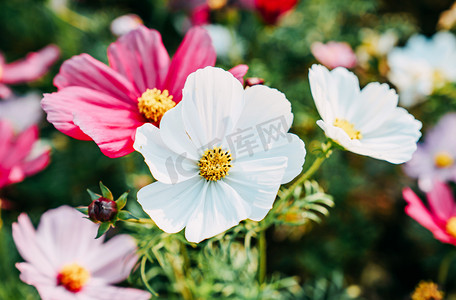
(443, 159)
(427, 290)
(73, 277)
(349, 128)
(438, 78)
(451, 227)
(214, 164)
(154, 103)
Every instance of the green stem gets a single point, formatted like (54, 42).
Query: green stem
(444, 267)
(262, 262)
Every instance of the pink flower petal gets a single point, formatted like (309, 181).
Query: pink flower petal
(22, 147)
(114, 260)
(110, 126)
(5, 91)
(85, 71)
(105, 119)
(417, 211)
(26, 242)
(37, 164)
(35, 65)
(6, 138)
(141, 57)
(441, 201)
(195, 52)
(334, 54)
(239, 72)
(115, 293)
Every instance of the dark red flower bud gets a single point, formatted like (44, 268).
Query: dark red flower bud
(102, 210)
(251, 81)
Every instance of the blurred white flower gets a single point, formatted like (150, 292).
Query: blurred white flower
(375, 44)
(22, 111)
(65, 261)
(367, 121)
(225, 41)
(422, 66)
(219, 156)
(124, 24)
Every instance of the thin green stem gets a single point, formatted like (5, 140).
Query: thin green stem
(262, 262)
(444, 267)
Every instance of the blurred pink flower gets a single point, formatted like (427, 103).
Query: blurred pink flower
(107, 104)
(22, 111)
(22, 155)
(125, 23)
(334, 54)
(200, 15)
(65, 261)
(272, 10)
(440, 218)
(35, 65)
(435, 158)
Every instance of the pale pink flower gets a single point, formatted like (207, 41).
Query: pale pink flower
(107, 104)
(64, 261)
(34, 66)
(440, 218)
(435, 158)
(334, 54)
(22, 155)
(22, 111)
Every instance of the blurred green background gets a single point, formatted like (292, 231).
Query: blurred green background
(367, 244)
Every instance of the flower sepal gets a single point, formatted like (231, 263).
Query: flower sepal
(106, 211)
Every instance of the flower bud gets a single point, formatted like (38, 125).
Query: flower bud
(102, 210)
(251, 81)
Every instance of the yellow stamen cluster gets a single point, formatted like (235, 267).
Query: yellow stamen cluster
(154, 103)
(73, 277)
(427, 290)
(214, 164)
(349, 128)
(443, 159)
(451, 227)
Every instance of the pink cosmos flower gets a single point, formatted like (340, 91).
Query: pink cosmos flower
(35, 65)
(22, 155)
(107, 104)
(440, 218)
(435, 158)
(65, 261)
(334, 54)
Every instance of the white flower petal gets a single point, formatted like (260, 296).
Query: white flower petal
(257, 182)
(211, 105)
(333, 91)
(170, 206)
(173, 134)
(263, 105)
(219, 208)
(291, 147)
(165, 165)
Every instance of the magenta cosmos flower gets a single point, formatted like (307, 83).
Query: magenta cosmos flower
(435, 157)
(21, 155)
(334, 54)
(35, 65)
(107, 104)
(65, 261)
(440, 218)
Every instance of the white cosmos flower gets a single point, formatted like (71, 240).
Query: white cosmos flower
(219, 156)
(422, 66)
(367, 121)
